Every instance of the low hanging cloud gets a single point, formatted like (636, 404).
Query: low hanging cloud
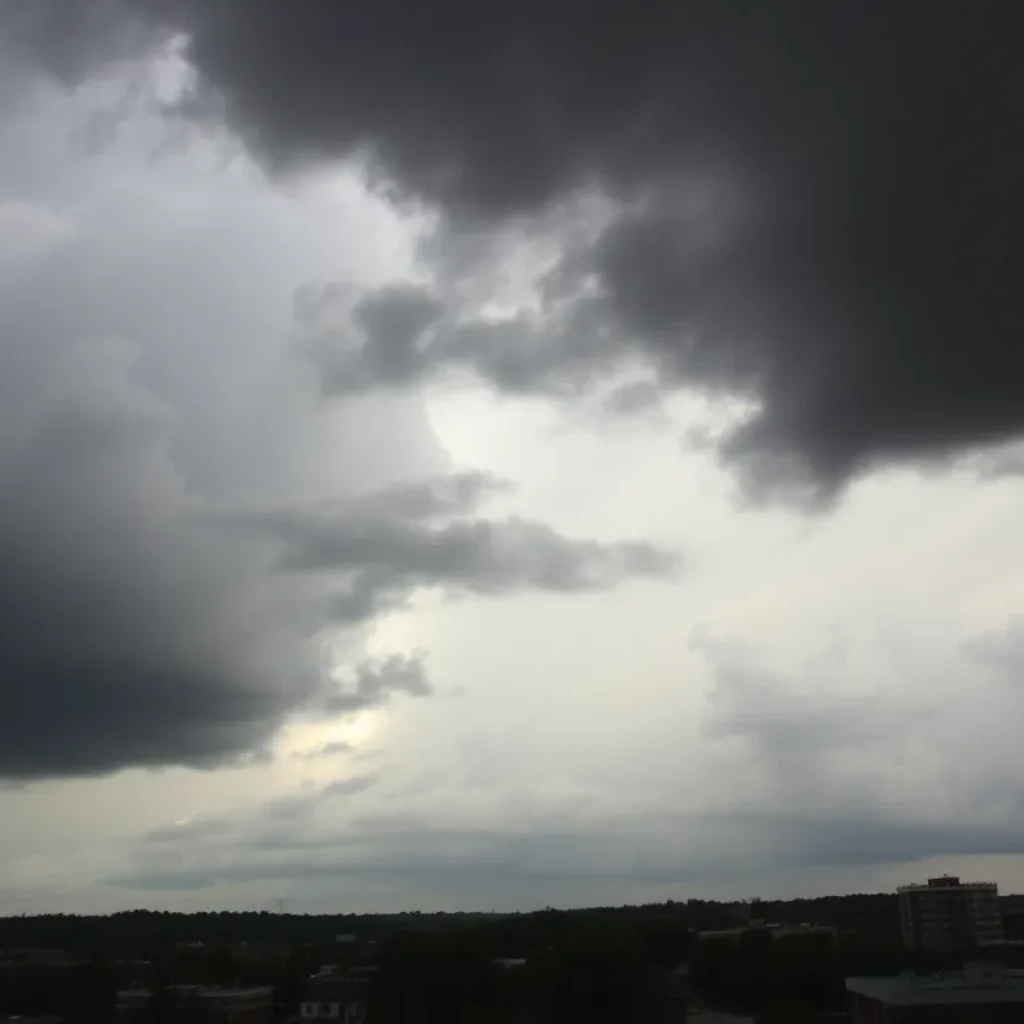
(824, 739)
(695, 849)
(410, 848)
(831, 777)
(849, 267)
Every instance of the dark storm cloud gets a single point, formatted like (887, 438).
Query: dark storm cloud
(858, 279)
(128, 633)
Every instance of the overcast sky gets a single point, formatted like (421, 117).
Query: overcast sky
(562, 453)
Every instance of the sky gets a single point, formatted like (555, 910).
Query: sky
(563, 454)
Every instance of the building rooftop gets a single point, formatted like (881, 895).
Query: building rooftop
(945, 882)
(334, 990)
(776, 930)
(977, 983)
(199, 992)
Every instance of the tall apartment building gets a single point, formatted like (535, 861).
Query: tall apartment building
(947, 915)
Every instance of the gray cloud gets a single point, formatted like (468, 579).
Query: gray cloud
(384, 557)
(453, 494)
(798, 725)
(350, 787)
(853, 276)
(1002, 649)
(374, 684)
(818, 739)
(276, 823)
(333, 749)
(570, 347)
(279, 817)
(147, 618)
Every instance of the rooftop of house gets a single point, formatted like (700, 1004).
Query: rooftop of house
(139, 995)
(775, 929)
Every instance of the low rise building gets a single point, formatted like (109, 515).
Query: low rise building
(200, 1003)
(259, 952)
(979, 994)
(339, 1000)
(36, 957)
(773, 929)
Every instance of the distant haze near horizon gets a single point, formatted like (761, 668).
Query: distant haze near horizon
(470, 462)
(755, 909)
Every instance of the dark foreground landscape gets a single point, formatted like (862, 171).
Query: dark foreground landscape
(661, 962)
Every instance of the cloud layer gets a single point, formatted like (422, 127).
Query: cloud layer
(814, 207)
(268, 273)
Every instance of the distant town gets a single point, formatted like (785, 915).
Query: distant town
(939, 950)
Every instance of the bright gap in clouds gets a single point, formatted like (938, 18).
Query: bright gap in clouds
(356, 732)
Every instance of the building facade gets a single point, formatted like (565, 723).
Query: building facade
(337, 1000)
(946, 915)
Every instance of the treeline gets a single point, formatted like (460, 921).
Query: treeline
(129, 930)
